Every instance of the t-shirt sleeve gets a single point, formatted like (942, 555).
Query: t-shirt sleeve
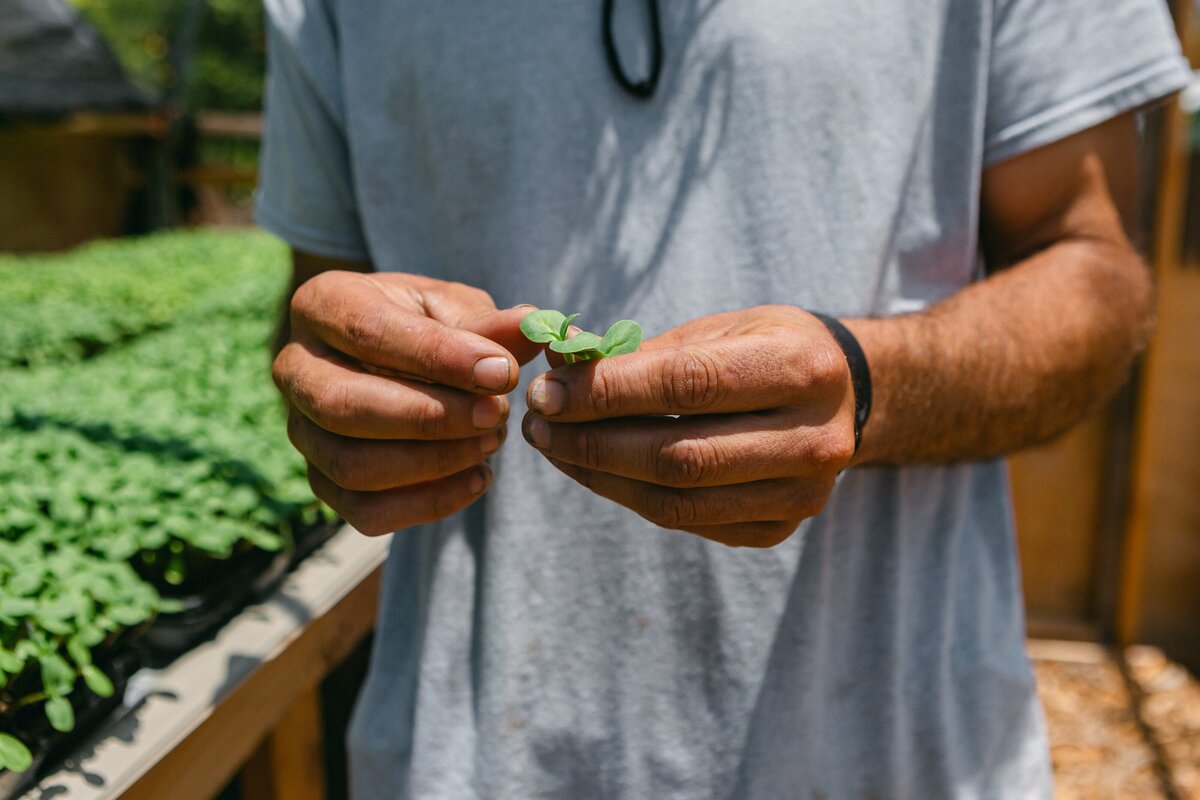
(306, 188)
(1059, 67)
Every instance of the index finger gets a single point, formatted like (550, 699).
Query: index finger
(737, 374)
(350, 313)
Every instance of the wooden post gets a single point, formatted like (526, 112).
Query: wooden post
(1166, 259)
(290, 763)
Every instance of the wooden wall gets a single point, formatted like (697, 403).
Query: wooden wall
(62, 184)
(1108, 516)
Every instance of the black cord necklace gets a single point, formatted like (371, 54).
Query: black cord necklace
(643, 89)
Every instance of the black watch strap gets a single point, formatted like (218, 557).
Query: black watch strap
(860, 372)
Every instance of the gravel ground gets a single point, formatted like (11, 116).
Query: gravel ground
(1119, 728)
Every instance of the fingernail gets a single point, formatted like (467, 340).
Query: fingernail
(538, 432)
(490, 443)
(486, 413)
(491, 373)
(547, 397)
(478, 481)
(529, 306)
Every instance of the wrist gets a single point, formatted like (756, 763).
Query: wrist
(860, 375)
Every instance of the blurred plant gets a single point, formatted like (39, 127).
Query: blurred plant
(128, 469)
(230, 56)
(58, 606)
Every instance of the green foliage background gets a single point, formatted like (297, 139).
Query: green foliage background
(140, 438)
(230, 57)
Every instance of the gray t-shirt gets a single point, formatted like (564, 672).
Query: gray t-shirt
(547, 643)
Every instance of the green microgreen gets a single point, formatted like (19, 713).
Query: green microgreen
(167, 455)
(551, 327)
(13, 754)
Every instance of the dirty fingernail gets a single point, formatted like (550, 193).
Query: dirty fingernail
(538, 432)
(547, 397)
(487, 413)
(491, 373)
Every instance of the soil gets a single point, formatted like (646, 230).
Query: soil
(1121, 725)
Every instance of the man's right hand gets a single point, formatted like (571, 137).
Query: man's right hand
(395, 388)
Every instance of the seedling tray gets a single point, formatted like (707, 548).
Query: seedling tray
(248, 577)
(91, 710)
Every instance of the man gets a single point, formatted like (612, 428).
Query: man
(828, 617)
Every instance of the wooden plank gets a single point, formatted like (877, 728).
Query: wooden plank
(1067, 651)
(205, 715)
(290, 764)
(95, 124)
(225, 125)
(1056, 490)
(1071, 629)
(217, 175)
(1163, 593)
(1148, 438)
(58, 192)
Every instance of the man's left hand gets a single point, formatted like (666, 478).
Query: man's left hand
(732, 426)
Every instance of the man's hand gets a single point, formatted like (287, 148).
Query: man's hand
(395, 389)
(765, 423)
(764, 396)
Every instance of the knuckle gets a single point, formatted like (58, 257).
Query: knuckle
(692, 380)
(809, 501)
(445, 460)
(827, 367)
(295, 432)
(367, 329)
(333, 406)
(588, 448)
(345, 468)
(605, 393)
(434, 348)
(676, 510)
(285, 371)
(307, 295)
(281, 372)
(691, 462)
(431, 420)
(830, 452)
(316, 483)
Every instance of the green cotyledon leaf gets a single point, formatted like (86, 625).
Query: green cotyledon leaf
(60, 713)
(97, 681)
(578, 344)
(14, 755)
(625, 336)
(545, 325)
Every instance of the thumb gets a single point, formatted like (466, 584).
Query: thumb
(503, 326)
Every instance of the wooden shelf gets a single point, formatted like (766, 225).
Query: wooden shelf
(199, 720)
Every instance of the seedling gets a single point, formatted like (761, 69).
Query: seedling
(14, 755)
(57, 605)
(550, 327)
(166, 454)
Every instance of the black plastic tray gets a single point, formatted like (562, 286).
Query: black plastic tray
(49, 745)
(246, 579)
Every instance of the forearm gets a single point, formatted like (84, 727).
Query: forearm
(1007, 362)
